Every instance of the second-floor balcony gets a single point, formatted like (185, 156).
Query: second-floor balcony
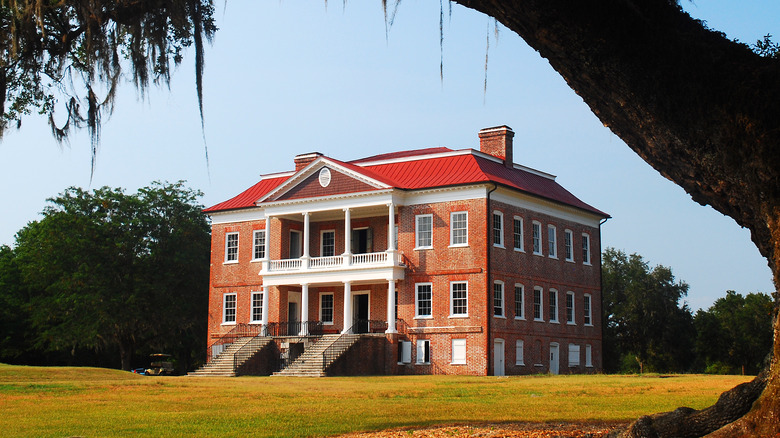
(340, 262)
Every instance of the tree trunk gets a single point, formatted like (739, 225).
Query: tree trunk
(702, 110)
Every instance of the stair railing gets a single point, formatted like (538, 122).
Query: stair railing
(335, 349)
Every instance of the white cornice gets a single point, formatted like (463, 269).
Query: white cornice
(234, 216)
(529, 202)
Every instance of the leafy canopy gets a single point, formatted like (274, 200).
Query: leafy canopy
(72, 55)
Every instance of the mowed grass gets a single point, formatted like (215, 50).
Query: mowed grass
(91, 402)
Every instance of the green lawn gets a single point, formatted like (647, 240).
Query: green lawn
(92, 402)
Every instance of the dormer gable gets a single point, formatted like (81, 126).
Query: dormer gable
(325, 176)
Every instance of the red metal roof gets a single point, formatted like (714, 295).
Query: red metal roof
(429, 172)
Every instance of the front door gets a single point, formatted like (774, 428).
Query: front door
(293, 313)
(554, 358)
(498, 357)
(360, 313)
(295, 244)
(362, 241)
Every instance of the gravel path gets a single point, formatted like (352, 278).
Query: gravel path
(514, 430)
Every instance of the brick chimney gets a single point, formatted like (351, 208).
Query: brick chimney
(303, 160)
(497, 141)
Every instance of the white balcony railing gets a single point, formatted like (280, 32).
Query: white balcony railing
(326, 262)
(369, 258)
(333, 262)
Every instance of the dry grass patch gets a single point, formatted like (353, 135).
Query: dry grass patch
(98, 402)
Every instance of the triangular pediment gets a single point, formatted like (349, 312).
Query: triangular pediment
(324, 177)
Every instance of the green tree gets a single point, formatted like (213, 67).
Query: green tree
(108, 270)
(646, 326)
(734, 334)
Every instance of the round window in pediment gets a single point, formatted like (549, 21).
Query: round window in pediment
(324, 177)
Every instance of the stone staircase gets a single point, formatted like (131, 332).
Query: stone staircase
(310, 363)
(224, 364)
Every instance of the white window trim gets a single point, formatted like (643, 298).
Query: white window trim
(252, 307)
(224, 308)
(255, 245)
(238, 246)
(534, 226)
(589, 297)
(520, 358)
(573, 308)
(465, 352)
(417, 231)
(500, 243)
(452, 234)
(557, 308)
(333, 310)
(417, 301)
(322, 242)
(552, 230)
(420, 343)
(503, 299)
(522, 301)
(586, 236)
(541, 304)
(522, 234)
(570, 235)
(452, 300)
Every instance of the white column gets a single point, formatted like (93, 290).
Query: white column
(267, 257)
(266, 299)
(390, 307)
(306, 237)
(347, 237)
(347, 306)
(391, 227)
(304, 309)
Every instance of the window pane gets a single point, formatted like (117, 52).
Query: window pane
(586, 309)
(230, 308)
(498, 299)
(259, 250)
(553, 303)
(537, 304)
(424, 231)
(459, 298)
(519, 301)
(423, 300)
(498, 229)
(328, 243)
(231, 247)
(459, 226)
(567, 245)
(327, 308)
(552, 245)
(537, 238)
(257, 307)
(518, 234)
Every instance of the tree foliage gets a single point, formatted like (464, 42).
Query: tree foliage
(106, 270)
(735, 334)
(647, 328)
(72, 54)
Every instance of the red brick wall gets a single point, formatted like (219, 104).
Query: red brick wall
(339, 183)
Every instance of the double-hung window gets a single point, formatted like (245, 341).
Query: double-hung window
(552, 241)
(553, 305)
(423, 231)
(586, 310)
(570, 308)
(537, 237)
(585, 249)
(229, 308)
(459, 228)
(326, 308)
(498, 229)
(257, 307)
(518, 233)
(258, 245)
(519, 301)
(574, 355)
(328, 243)
(231, 247)
(568, 237)
(459, 301)
(498, 298)
(423, 300)
(538, 304)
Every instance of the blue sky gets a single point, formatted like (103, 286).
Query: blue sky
(285, 78)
